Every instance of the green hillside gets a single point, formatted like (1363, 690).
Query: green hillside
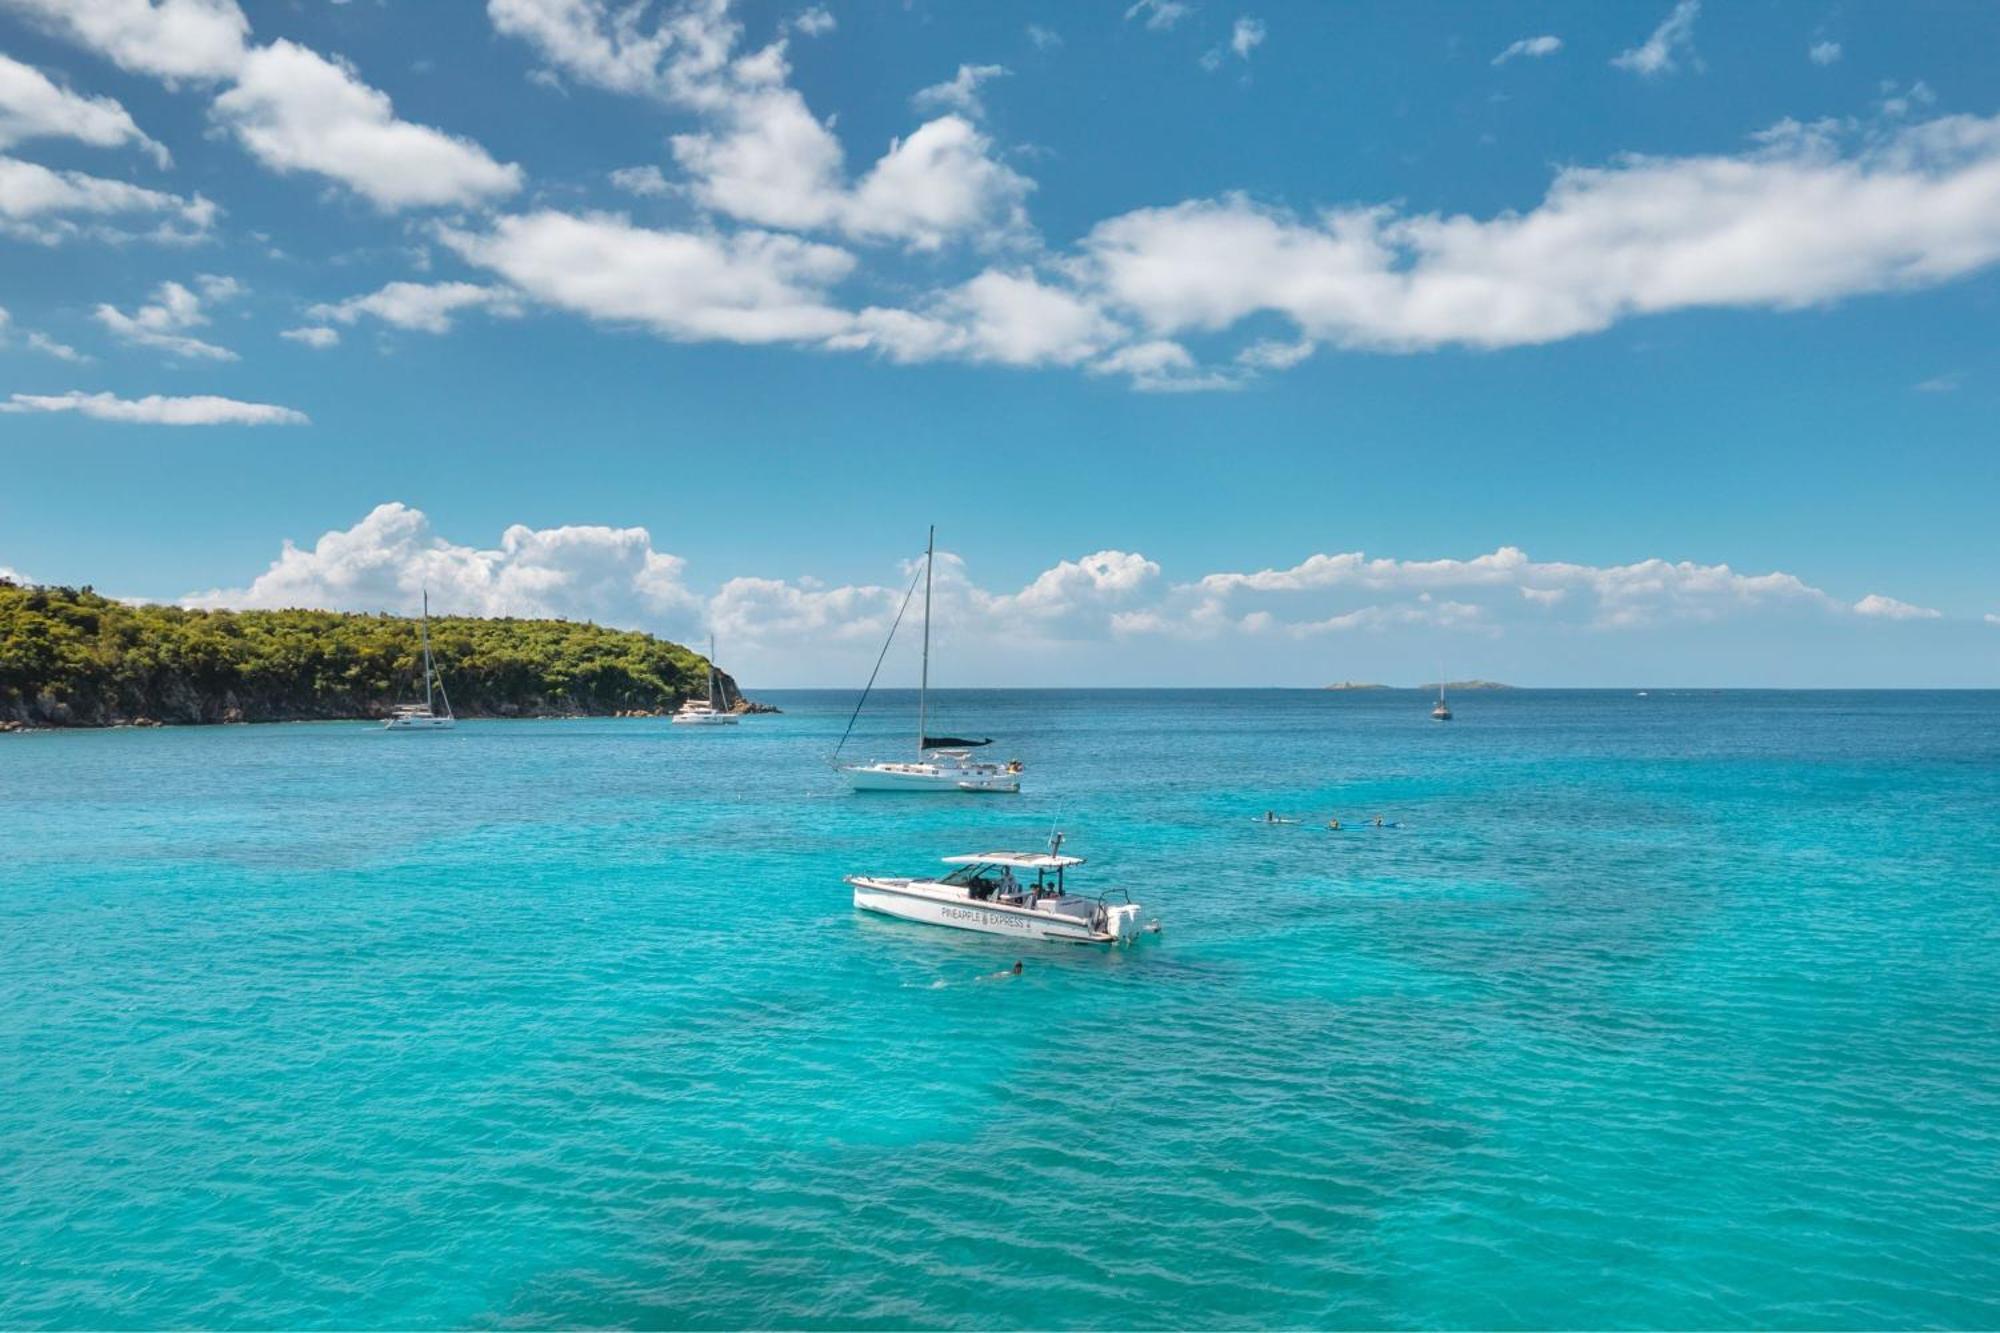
(69, 657)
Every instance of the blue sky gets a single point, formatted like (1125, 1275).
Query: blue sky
(1233, 344)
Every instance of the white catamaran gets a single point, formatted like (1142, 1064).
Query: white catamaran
(942, 763)
(425, 716)
(993, 893)
(705, 712)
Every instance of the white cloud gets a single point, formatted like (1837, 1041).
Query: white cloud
(33, 106)
(168, 39)
(1671, 43)
(200, 410)
(1159, 15)
(1272, 354)
(1823, 53)
(1164, 366)
(424, 307)
(1992, 619)
(295, 110)
(751, 287)
(41, 342)
(1530, 48)
(939, 183)
(1044, 39)
(760, 155)
(960, 92)
(173, 311)
(1888, 608)
(1245, 36)
(1794, 222)
(646, 181)
(38, 204)
(1008, 318)
(387, 560)
(319, 339)
(814, 22)
(1946, 383)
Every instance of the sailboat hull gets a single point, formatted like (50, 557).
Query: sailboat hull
(928, 777)
(420, 724)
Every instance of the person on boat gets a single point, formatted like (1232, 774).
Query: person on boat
(1009, 886)
(1270, 816)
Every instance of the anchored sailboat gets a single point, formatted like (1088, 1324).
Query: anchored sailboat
(942, 763)
(425, 716)
(705, 712)
(1442, 711)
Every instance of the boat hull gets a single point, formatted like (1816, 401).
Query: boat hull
(420, 724)
(932, 905)
(704, 720)
(932, 778)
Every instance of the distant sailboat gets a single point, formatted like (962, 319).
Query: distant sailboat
(1442, 711)
(425, 716)
(705, 712)
(942, 763)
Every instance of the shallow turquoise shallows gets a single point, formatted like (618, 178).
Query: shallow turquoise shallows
(1672, 1010)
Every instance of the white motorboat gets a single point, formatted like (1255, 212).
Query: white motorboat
(704, 712)
(992, 892)
(425, 716)
(942, 763)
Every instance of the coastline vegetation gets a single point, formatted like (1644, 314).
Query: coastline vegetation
(69, 657)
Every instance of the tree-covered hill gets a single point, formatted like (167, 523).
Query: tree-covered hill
(69, 657)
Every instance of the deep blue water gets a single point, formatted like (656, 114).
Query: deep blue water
(1665, 1011)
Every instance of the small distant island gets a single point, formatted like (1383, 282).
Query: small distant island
(72, 658)
(1459, 685)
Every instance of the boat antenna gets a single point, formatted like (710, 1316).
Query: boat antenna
(924, 679)
(879, 657)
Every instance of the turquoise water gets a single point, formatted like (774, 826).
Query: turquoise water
(1680, 1010)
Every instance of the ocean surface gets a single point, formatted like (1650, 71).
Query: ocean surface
(1677, 1010)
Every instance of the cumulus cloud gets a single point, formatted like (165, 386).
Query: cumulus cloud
(319, 339)
(1245, 36)
(295, 110)
(960, 92)
(760, 155)
(1823, 53)
(814, 22)
(1888, 608)
(1009, 318)
(1529, 48)
(292, 108)
(1159, 15)
(200, 40)
(751, 287)
(1794, 222)
(46, 206)
(1099, 607)
(423, 307)
(646, 181)
(34, 106)
(165, 321)
(157, 410)
(388, 559)
(1670, 44)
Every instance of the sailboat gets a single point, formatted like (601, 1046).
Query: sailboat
(704, 712)
(1441, 711)
(425, 716)
(942, 763)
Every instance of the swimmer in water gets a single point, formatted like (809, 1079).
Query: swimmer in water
(1378, 821)
(1014, 971)
(1333, 824)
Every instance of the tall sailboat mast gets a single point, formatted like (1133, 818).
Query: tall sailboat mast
(924, 679)
(425, 631)
(711, 669)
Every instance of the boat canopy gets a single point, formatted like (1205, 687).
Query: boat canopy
(1018, 860)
